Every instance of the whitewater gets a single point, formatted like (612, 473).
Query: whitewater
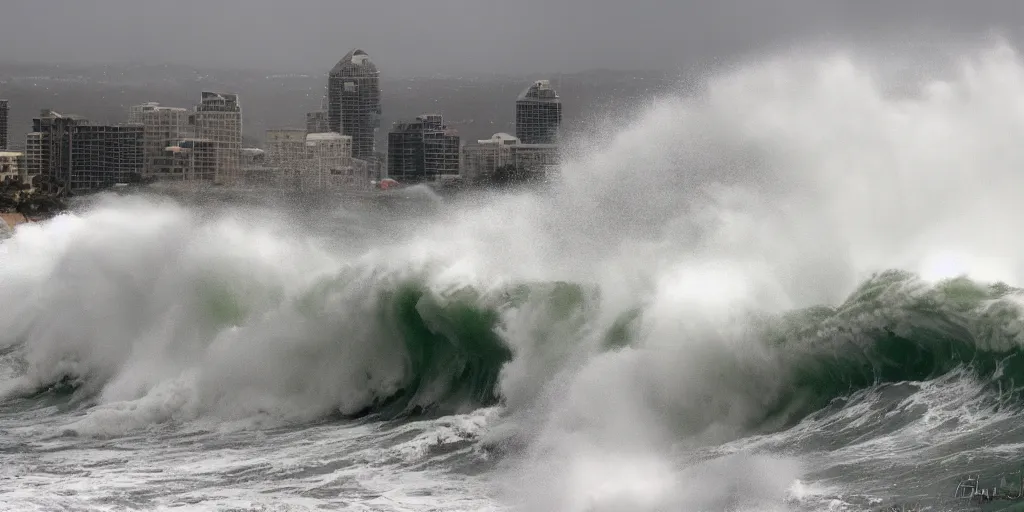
(793, 289)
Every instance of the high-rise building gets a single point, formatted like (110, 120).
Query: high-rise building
(538, 114)
(77, 156)
(49, 148)
(162, 127)
(4, 115)
(422, 150)
(36, 154)
(353, 102)
(317, 122)
(105, 154)
(218, 119)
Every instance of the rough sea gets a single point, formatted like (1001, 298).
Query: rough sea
(793, 290)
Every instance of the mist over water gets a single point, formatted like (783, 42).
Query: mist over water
(724, 303)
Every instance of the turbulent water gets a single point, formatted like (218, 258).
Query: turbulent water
(793, 290)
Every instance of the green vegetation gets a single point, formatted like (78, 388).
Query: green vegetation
(17, 197)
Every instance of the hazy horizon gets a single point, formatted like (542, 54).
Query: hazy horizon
(454, 37)
(7, 64)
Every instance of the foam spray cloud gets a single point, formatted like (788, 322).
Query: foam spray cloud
(614, 316)
(783, 184)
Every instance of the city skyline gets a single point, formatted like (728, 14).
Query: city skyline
(337, 147)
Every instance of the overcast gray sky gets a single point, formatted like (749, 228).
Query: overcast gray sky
(407, 37)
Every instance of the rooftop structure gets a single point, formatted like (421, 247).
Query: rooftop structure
(315, 137)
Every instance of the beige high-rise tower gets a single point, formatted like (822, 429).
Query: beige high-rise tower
(162, 127)
(218, 119)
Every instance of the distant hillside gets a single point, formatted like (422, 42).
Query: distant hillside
(477, 106)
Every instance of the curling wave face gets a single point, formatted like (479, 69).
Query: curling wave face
(729, 268)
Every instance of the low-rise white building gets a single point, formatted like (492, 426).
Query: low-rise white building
(482, 159)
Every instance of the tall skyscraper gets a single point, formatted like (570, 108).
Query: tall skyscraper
(218, 119)
(538, 114)
(422, 150)
(77, 156)
(353, 101)
(4, 111)
(162, 127)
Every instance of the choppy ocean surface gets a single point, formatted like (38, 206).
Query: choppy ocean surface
(795, 290)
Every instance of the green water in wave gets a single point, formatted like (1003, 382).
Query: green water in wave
(895, 328)
(892, 328)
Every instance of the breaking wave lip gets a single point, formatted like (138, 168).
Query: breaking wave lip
(446, 349)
